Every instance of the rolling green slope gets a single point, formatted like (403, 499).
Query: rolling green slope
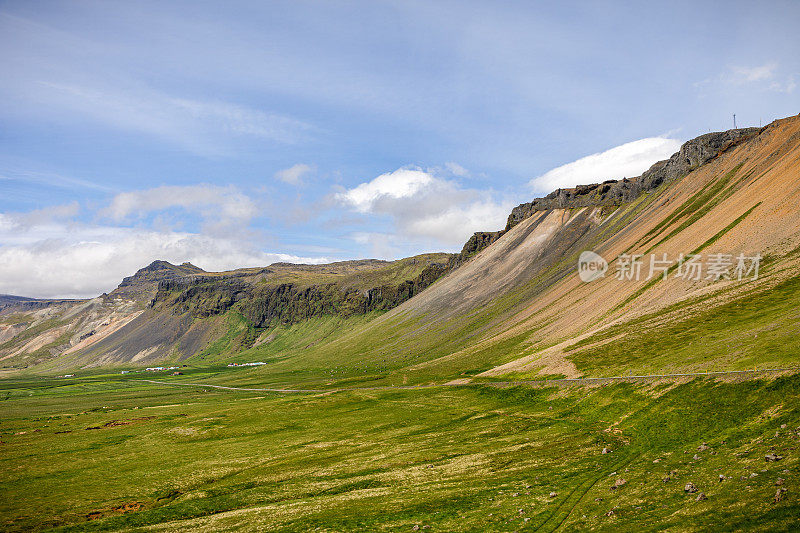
(101, 454)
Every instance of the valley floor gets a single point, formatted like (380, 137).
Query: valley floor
(105, 453)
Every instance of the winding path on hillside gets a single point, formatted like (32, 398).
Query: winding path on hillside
(535, 383)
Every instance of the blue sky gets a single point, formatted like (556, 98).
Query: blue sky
(242, 133)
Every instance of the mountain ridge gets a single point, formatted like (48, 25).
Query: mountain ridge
(448, 314)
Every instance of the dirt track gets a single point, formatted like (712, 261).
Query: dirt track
(534, 383)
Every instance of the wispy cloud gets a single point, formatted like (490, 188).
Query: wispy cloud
(456, 169)
(294, 174)
(221, 207)
(52, 179)
(786, 86)
(201, 126)
(764, 77)
(740, 74)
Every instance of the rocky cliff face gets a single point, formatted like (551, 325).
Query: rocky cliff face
(614, 193)
(287, 303)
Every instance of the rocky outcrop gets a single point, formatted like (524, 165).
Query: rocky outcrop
(613, 193)
(478, 242)
(146, 280)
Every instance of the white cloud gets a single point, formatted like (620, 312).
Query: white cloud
(294, 174)
(457, 223)
(627, 160)
(221, 205)
(402, 183)
(424, 207)
(52, 260)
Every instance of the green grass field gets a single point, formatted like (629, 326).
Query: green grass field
(759, 329)
(108, 453)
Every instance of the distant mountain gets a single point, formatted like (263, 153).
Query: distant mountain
(7, 299)
(167, 311)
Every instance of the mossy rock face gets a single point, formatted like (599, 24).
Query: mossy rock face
(288, 303)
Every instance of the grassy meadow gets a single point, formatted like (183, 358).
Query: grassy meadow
(116, 453)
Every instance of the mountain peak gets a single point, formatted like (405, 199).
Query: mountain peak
(146, 279)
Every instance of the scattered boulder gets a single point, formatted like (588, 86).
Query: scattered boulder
(605, 451)
(415, 528)
(696, 457)
(598, 499)
(690, 488)
(703, 447)
(722, 478)
(667, 479)
(610, 513)
(656, 460)
(553, 494)
(783, 426)
(779, 482)
(753, 474)
(701, 497)
(515, 494)
(771, 458)
(618, 483)
(779, 495)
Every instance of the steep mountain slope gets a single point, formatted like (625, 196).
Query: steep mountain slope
(519, 306)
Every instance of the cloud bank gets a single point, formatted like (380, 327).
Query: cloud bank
(51, 253)
(83, 262)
